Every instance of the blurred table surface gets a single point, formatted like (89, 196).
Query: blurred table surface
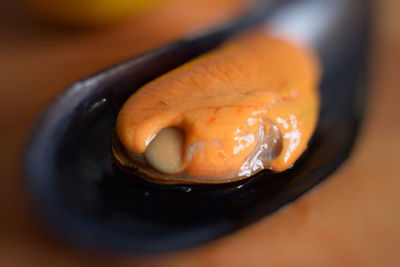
(353, 219)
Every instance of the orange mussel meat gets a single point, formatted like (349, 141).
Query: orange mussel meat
(249, 105)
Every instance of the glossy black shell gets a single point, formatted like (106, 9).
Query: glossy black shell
(90, 202)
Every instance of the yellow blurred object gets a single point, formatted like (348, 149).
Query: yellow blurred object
(87, 12)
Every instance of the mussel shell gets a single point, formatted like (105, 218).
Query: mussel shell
(91, 202)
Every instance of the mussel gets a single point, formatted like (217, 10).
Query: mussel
(90, 202)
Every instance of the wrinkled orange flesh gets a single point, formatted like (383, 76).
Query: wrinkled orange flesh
(222, 99)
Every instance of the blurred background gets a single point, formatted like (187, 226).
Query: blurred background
(351, 220)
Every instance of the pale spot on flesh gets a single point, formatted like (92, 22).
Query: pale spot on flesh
(164, 153)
